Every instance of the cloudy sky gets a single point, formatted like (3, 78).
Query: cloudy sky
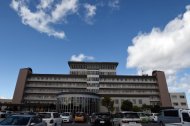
(141, 36)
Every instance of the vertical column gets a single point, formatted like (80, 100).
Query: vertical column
(69, 104)
(20, 85)
(163, 89)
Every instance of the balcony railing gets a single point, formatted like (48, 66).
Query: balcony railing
(56, 86)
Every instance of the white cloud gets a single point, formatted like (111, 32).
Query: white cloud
(44, 4)
(167, 50)
(63, 9)
(45, 16)
(90, 12)
(1, 97)
(180, 84)
(81, 57)
(114, 4)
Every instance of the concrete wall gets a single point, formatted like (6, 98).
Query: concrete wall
(20, 85)
(179, 100)
(165, 100)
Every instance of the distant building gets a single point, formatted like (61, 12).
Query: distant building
(6, 101)
(98, 79)
(179, 100)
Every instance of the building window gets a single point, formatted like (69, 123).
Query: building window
(185, 117)
(134, 101)
(174, 96)
(182, 96)
(183, 104)
(140, 101)
(175, 104)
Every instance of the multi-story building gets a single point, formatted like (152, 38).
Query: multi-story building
(179, 100)
(98, 79)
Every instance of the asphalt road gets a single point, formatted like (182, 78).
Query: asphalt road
(87, 124)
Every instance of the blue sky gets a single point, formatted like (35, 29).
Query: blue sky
(139, 34)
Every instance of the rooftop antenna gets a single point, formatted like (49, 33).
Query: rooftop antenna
(142, 72)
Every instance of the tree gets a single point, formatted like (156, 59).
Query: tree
(108, 103)
(136, 108)
(127, 105)
(155, 109)
(146, 107)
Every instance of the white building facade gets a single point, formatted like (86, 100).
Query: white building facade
(179, 100)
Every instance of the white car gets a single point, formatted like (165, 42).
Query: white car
(154, 117)
(126, 119)
(51, 118)
(67, 117)
(144, 118)
(174, 117)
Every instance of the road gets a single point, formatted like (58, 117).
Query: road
(87, 124)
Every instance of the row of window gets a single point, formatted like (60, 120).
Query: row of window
(91, 73)
(129, 85)
(40, 101)
(41, 96)
(92, 79)
(101, 90)
(151, 80)
(134, 101)
(92, 85)
(51, 90)
(93, 90)
(34, 84)
(55, 79)
(182, 104)
(148, 80)
(129, 91)
(94, 66)
(44, 84)
(175, 96)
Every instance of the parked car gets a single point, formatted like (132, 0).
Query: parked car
(51, 118)
(101, 119)
(25, 120)
(143, 117)
(27, 113)
(173, 117)
(153, 117)
(2, 114)
(67, 117)
(80, 117)
(5, 114)
(126, 119)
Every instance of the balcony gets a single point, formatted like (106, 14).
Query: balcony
(41, 99)
(55, 86)
(127, 92)
(126, 87)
